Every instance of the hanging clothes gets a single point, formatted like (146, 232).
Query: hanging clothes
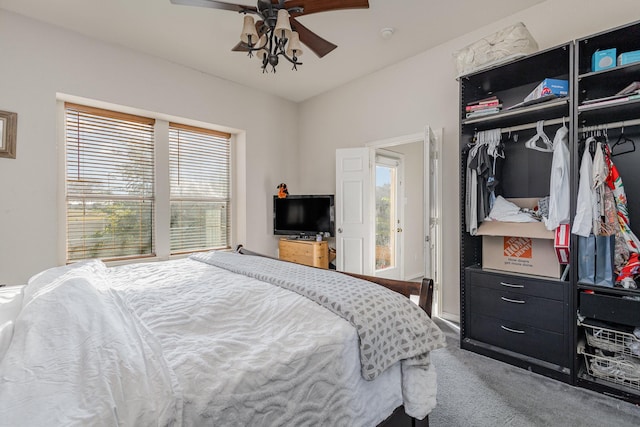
(600, 172)
(583, 220)
(471, 196)
(495, 149)
(559, 191)
(483, 179)
(482, 164)
(629, 239)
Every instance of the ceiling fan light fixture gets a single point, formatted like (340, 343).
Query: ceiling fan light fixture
(249, 34)
(273, 37)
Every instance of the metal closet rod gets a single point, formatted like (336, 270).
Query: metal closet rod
(612, 125)
(534, 124)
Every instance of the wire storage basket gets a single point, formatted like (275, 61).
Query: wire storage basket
(611, 339)
(613, 355)
(618, 369)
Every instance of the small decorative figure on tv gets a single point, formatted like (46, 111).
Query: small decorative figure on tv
(282, 191)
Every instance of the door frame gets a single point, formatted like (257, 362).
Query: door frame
(432, 201)
(399, 252)
(411, 139)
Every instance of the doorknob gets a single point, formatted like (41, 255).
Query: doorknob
(339, 230)
(399, 230)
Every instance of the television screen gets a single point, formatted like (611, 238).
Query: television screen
(305, 215)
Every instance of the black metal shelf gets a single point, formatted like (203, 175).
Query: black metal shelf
(589, 115)
(544, 111)
(627, 394)
(614, 73)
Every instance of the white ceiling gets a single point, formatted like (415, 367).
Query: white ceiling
(202, 38)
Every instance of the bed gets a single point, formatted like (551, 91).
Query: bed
(216, 339)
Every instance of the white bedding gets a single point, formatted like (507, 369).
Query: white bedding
(223, 350)
(79, 357)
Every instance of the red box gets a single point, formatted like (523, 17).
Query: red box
(561, 243)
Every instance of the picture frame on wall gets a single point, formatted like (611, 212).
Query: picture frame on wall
(8, 130)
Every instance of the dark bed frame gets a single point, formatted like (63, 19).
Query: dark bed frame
(424, 290)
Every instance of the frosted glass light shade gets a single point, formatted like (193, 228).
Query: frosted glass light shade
(294, 44)
(249, 29)
(262, 52)
(282, 24)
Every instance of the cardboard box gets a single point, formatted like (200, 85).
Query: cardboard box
(629, 57)
(549, 87)
(519, 247)
(603, 59)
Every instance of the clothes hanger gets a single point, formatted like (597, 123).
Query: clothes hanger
(540, 135)
(622, 140)
(493, 138)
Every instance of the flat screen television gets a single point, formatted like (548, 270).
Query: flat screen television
(304, 215)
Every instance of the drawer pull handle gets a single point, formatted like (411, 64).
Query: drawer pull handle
(510, 285)
(515, 331)
(516, 301)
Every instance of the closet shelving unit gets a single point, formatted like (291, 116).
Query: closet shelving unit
(605, 358)
(538, 332)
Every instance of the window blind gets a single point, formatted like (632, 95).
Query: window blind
(109, 184)
(199, 166)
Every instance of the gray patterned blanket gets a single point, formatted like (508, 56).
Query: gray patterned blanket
(391, 328)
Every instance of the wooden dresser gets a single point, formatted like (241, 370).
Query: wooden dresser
(307, 252)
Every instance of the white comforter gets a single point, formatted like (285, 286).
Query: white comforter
(186, 343)
(79, 357)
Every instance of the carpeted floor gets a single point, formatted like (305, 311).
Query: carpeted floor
(476, 391)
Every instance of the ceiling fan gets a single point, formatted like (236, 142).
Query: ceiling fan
(278, 32)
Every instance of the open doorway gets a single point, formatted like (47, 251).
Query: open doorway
(355, 208)
(389, 218)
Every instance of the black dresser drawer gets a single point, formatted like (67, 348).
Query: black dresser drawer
(550, 289)
(523, 339)
(541, 313)
(610, 308)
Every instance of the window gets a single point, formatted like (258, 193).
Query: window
(113, 180)
(200, 180)
(109, 184)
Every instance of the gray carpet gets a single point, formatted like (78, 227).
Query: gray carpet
(476, 391)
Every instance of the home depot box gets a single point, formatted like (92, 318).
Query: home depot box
(519, 247)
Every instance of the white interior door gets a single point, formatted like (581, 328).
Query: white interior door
(430, 212)
(354, 219)
(433, 190)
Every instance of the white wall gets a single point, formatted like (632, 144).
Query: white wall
(39, 60)
(422, 90)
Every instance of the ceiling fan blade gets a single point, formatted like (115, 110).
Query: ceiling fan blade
(213, 4)
(240, 47)
(314, 42)
(316, 6)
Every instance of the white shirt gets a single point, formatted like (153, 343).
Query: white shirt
(583, 221)
(559, 183)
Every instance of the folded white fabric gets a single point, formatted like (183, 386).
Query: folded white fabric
(504, 210)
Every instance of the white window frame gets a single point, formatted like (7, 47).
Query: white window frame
(162, 214)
